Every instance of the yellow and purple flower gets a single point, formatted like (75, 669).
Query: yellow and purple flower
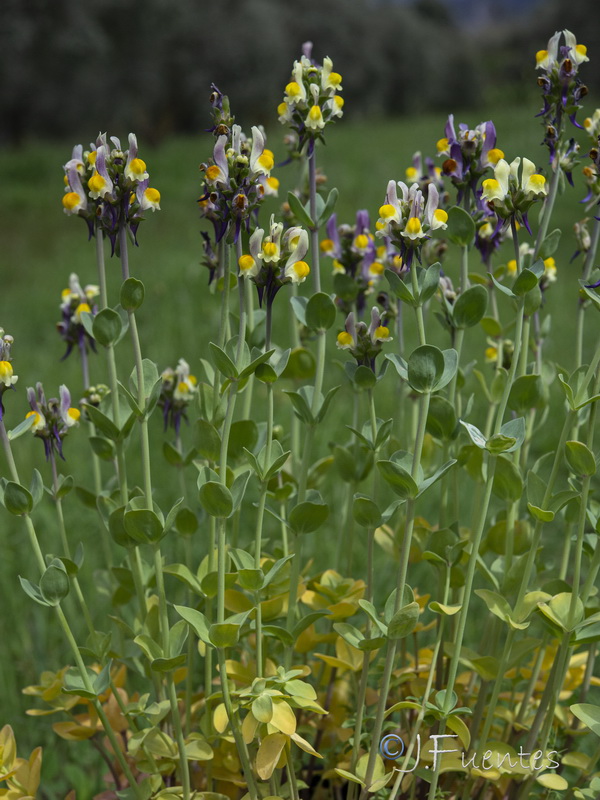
(311, 100)
(52, 419)
(512, 191)
(179, 388)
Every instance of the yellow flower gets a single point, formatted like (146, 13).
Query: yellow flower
(39, 421)
(440, 218)
(248, 266)
(344, 340)
(492, 190)
(72, 417)
(550, 269)
(81, 309)
(7, 378)
(376, 268)
(327, 246)
(298, 271)
(413, 229)
(382, 334)
(294, 92)
(361, 242)
(70, 201)
(494, 155)
(512, 266)
(270, 251)
(96, 184)
(271, 186)
(136, 170)
(314, 119)
(491, 355)
(151, 199)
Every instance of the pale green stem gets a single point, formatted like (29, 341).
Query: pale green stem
(587, 268)
(464, 269)
(172, 694)
(314, 232)
(525, 348)
(419, 308)
(261, 508)
(242, 750)
(190, 641)
(489, 720)
(302, 480)
(249, 293)
(399, 599)
(133, 556)
(294, 795)
(222, 270)
(547, 209)
(96, 470)
(221, 557)
(65, 545)
(535, 673)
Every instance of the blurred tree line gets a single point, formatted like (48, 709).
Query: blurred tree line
(69, 67)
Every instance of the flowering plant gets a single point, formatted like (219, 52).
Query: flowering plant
(217, 648)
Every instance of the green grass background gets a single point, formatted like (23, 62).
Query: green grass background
(40, 246)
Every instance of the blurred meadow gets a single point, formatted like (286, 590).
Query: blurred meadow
(40, 247)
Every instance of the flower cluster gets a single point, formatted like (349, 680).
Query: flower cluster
(52, 419)
(488, 235)
(362, 342)
(236, 179)
(561, 86)
(7, 376)
(109, 187)
(355, 254)
(468, 154)
(265, 263)
(76, 301)
(511, 192)
(178, 390)
(591, 172)
(407, 221)
(311, 101)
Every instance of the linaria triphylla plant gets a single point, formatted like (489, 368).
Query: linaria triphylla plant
(230, 657)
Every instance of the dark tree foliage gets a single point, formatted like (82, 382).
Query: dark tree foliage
(72, 66)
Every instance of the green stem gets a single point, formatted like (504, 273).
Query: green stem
(166, 647)
(548, 208)
(464, 269)
(65, 545)
(587, 268)
(428, 688)
(294, 795)
(399, 599)
(314, 231)
(489, 720)
(418, 308)
(134, 556)
(535, 672)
